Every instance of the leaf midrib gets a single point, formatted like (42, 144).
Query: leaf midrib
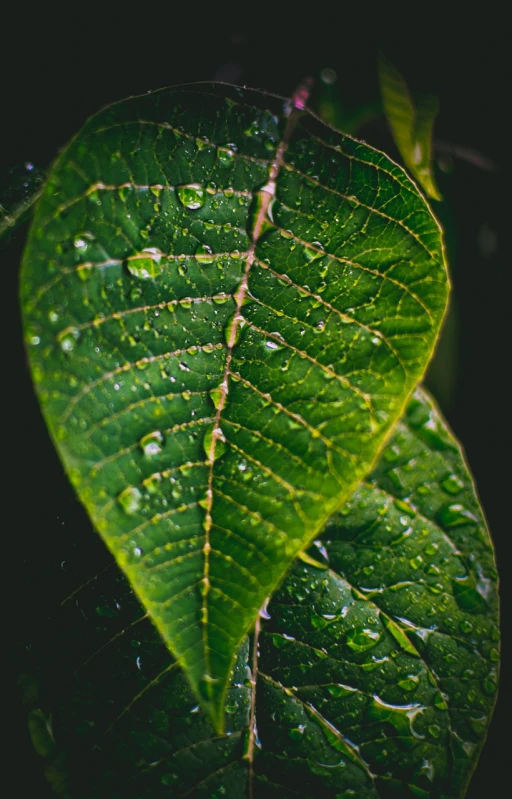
(266, 194)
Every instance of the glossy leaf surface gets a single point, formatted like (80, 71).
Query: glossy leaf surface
(411, 120)
(226, 308)
(376, 674)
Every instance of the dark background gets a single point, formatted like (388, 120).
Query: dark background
(56, 73)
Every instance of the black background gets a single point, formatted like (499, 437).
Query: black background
(55, 72)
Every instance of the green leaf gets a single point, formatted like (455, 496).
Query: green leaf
(376, 674)
(226, 308)
(19, 189)
(411, 121)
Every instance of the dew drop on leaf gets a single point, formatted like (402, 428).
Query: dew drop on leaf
(130, 500)
(359, 639)
(452, 484)
(214, 443)
(145, 265)
(68, 339)
(152, 483)
(191, 195)
(80, 244)
(409, 683)
(456, 515)
(225, 155)
(151, 444)
(204, 254)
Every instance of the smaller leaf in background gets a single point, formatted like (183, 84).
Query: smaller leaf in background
(411, 121)
(20, 186)
(375, 675)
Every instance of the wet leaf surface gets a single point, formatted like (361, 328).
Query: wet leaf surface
(226, 306)
(376, 674)
(411, 120)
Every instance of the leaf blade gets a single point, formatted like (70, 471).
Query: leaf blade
(146, 357)
(411, 122)
(339, 693)
(20, 188)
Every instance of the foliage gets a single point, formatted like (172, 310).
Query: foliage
(227, 306)
(411, 121)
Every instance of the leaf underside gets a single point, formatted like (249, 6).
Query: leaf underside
(226, 307)
(376, 674)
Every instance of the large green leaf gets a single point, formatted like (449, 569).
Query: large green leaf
(411, 121)
(376, 674)
(226, 308)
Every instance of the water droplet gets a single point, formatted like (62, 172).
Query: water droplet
(456, 515)
(220, 299)
(151, 444)
(297, 733)
(416, 562)
(452, 484)
(409, 683)
(68, 339)
(233, 328)
(471, 695)
(271, 345)
(214, 443)
(282, 640)
(260, 210)
(191, 195)
(216, 395)
(439, 701)
(207, 685)
(80, 244)
(314, 251)
(391, 454)
(225, 155)
(400, 636)
(467, 596)
(204, 254)
(135, 293)
(465, 626)
(431, 431)
(489, 686)
(264, 614)
(317, 622)
(400, 716)
(339, 690)
(146, 265)
(130, 500)
(359, 639)
(152, 483)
